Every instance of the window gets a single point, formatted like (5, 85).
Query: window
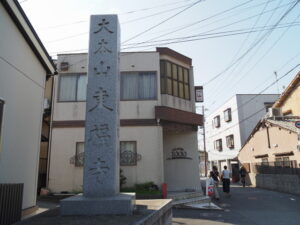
(227, 115)
(1, 115)
(72, 88)
(174, 80)
(264, 162)
(128, 154)
(79, 157)
(217, 121)
(230, 141)
(283, 161)
(218, 145)
(138, 86)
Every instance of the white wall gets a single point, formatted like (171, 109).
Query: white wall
(226, 128)
(23, 96)
(181, 174)
(245, 116)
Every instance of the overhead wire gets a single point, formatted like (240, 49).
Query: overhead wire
(255, 51)
(251, 47)
(163, 21)
(255, 96)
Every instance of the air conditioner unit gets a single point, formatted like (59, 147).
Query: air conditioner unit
(274, 112)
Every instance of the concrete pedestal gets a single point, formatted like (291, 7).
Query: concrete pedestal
(121, 204)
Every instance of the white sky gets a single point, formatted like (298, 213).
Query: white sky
(56, 20)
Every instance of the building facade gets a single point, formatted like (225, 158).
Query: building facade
(24, 66)
(274, 141)
(158, 123)
(229, 126)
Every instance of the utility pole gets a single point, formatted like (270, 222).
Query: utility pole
(204, 142)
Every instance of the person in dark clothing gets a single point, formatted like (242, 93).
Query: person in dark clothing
(214, 174)
(226, 180)
(243, 174)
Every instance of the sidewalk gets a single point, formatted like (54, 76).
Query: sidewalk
(246, 206)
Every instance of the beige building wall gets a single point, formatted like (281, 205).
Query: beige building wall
(181, 174)
(23, 110)
(281, 140)
(150, 147)
(64, 176)
(292, 103)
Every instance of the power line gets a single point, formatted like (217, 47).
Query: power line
(174, 30)
(171, 17)
(124, 13)
(188, 38)
(255, 96)
(257, 49)
(252, 46)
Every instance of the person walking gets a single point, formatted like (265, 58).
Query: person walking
(226, 180)
(214, 174)
(243, 174)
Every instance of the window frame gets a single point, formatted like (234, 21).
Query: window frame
(139, 99)
(264, 162)
(2, 105)
(229, 113)
(230, 138)
(164, 80)
(76, 90)
(219, 146)
(218, 119)
(135, 152)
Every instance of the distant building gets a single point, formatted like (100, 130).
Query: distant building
(274, 140)
(158, 133)
(24, 66)
(289, 101)
(228, 128)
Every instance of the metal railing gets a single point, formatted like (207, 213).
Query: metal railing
(11, 196)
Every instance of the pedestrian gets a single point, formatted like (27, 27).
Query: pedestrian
(226, 180)
(243, 174)
(214, 174)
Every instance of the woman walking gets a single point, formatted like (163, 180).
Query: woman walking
(226, 180)
(214, 174)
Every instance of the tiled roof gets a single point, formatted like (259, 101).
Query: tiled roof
(288, 124)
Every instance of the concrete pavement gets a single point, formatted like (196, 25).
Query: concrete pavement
(246, 206)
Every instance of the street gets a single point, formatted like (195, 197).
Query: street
(246, 206)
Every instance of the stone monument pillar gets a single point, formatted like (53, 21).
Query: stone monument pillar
(101, 160)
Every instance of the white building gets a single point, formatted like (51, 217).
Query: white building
(158, 133)
(228, 127)
(24, 65)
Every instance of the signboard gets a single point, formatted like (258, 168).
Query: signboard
(297, 124)
(199, 94)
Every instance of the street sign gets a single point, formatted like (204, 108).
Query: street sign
(297, 124)
(199, 94)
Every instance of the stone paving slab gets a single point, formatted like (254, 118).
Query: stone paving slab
(150, 210)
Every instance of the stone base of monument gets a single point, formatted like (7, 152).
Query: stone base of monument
(122, 204)
(147, 212)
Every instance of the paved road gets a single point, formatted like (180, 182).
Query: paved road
(246, 206)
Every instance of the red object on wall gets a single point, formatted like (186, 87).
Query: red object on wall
(164, 188)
